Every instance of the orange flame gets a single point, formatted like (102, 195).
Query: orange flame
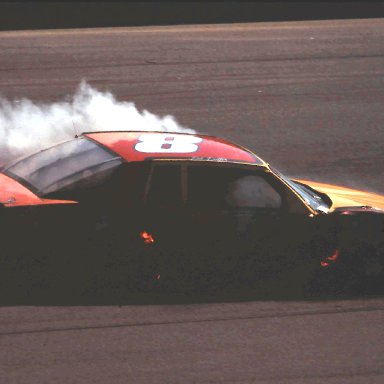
(332, 258)
(147, 237)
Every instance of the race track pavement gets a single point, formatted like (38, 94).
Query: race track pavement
(306, 96)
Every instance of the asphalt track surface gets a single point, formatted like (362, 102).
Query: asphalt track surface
(306, 96)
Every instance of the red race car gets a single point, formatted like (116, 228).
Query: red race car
(155, 210)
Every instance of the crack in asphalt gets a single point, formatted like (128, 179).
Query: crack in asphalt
(295, 378)
(196, 62)
(178, 322)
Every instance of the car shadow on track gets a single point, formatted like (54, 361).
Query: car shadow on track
(113, 294)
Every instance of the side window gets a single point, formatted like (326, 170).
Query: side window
(227, 187)
(128, 185)
(252, 191)
(206, 186)
(165, 186)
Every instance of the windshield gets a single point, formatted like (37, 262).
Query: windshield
(309, 196)
(55, 168)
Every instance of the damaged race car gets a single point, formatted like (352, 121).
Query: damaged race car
(155, 211)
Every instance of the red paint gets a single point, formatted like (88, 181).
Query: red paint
(210, 148)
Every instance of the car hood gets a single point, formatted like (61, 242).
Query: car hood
(347, 197)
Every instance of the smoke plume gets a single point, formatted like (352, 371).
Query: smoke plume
(26, 127)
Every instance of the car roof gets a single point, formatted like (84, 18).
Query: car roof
(140, 146)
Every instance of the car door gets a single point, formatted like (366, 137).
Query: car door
(246, 222)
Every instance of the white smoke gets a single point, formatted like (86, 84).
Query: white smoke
(26, 127)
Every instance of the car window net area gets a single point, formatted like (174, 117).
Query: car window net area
(57, 167)
(230, 188)
(165, 190)
(252, 191)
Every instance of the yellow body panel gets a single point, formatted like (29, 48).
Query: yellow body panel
(347, 197)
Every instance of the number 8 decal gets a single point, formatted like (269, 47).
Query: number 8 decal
(167, 143)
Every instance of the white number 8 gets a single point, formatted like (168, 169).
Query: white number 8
(167, 143)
